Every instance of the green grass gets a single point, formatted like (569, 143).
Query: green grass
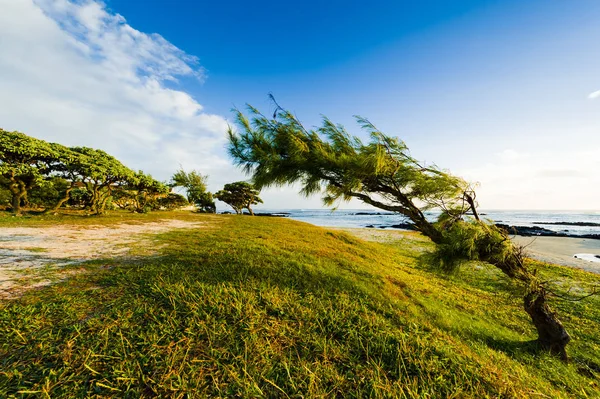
(266, 307)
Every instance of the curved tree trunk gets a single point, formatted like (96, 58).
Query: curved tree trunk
(552, 335)
(62, 200)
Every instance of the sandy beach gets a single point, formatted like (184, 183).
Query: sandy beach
(560, 250)
(557, 250)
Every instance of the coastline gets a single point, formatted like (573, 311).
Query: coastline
(560, 250)
(555, 250)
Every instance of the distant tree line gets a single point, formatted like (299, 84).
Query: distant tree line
(35, 174)
(38, 174)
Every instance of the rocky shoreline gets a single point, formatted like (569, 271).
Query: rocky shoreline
(541, 231)
(526, 231)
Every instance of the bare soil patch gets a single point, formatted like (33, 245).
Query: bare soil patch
(35, 256)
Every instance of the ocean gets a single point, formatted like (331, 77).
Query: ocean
(558, 221)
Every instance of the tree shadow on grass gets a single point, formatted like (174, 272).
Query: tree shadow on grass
(512, 348)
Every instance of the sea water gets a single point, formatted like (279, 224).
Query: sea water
(558, 221)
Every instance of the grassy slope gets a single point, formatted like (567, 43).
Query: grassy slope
(254, 307)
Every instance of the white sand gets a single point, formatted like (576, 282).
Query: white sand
(560, 250)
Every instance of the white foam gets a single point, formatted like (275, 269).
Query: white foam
(588, 257)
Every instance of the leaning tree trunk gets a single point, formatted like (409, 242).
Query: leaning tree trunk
(552, 335)
(62, 200)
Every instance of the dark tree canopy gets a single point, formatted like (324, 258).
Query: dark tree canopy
(382, 173)
(239, 195)
(24, 161)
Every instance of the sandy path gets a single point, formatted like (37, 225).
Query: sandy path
(33, 256)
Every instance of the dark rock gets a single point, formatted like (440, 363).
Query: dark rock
(403, 226)
(540, 231)
(275, 214)
(583, 224)
(370, 214)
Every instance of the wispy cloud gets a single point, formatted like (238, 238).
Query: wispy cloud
(594, 95)
(73, 72)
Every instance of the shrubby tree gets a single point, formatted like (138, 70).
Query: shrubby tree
(5, 195)
(197, 193)
(206, 203)
(101, 173)
(49, 194)
(24, 161)
(141, 194)
(49, 175)
(382, 173)
(172, 201)
(239, 195)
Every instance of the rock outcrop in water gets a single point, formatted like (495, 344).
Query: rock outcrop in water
(529, 231)
(582, 224)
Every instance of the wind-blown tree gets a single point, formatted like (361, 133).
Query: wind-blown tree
(24, 161)
(197, 193)
(101, 173)
(239, 195)
(280, 150)
(141, 194)
(171, 201)
(71, 166)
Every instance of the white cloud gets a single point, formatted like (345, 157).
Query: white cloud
(557, 180)
(594, 95)
(72, 72)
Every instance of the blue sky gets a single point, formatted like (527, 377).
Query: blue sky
(500, 92)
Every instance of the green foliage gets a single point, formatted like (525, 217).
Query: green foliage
(205, 203)
(468, 240)
(49, 193)
(172, 201)
(141, 195)
(101, 173)
(381, 172)
(194, 184)
(49, 175)
(5, 195)
(239, 195)
(280, 150)
(24, 161)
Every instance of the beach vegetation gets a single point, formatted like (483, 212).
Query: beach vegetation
(194, 184)
(239, 195)
(35, 174)
(24, 161)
